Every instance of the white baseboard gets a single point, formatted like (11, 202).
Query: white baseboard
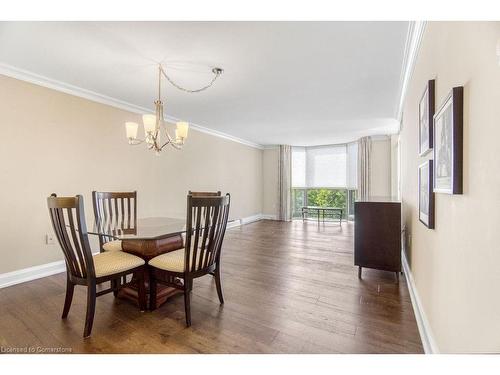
(269, 217)
(48, 269)
(424, 328)
(251, 219)
(233, 223)
(258, 217)
(31, 273)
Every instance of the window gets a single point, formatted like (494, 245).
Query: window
(324, 176)
(319, 167)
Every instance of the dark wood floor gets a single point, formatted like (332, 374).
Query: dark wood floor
(289, 288)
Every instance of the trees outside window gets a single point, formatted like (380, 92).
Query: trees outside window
(340, 198)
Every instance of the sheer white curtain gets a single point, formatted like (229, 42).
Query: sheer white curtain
(326, 166)
(285, 183)
(332, 166)
(352, 166)
(364, 165)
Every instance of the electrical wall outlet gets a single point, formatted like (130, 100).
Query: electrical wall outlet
(409, 240)
(50, 239)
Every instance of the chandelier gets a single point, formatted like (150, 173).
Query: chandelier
(154, 125)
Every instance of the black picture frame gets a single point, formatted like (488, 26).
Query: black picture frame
(448, 144)
(426, 194)
(426, 109)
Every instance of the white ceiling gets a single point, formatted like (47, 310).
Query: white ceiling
(299, 83)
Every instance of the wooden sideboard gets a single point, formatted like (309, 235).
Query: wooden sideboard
(377, 234)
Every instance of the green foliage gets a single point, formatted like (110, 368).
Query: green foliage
(318, 197)
(327, 198)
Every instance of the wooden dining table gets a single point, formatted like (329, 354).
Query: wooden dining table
(146, 238)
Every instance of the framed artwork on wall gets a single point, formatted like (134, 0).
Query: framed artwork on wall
(448, 144)
(426, 194)
(425, 119)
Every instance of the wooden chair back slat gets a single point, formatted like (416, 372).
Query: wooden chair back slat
(206, 225)
(204, 247)
(197, 234)
(76, 244)
(112, 209)
(66, 243)
(212, 231)
(68, 220)
(56, 224)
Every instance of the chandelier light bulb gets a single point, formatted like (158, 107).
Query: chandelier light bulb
(131, 128)
(182, 129)
(149, 123)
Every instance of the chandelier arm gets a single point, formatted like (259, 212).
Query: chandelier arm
(217, 72)
(170, 141)
(163, 145)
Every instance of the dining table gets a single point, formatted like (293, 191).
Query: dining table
(146, 238)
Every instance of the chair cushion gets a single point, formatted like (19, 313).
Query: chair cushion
(172, 261)
(112, 262)
(115, 245)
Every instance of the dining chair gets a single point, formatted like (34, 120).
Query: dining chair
(111, 208)
(205, 228)
(83, 268)
(204, 193)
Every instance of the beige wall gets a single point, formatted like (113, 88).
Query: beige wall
(380, 176)
(270, 202)
(456, 266)
(54, 142)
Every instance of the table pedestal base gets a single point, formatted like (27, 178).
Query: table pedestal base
(163, 293)
(148, 249)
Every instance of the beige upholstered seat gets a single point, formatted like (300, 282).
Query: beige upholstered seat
(172, 261)
(115, 245)
(112, 262)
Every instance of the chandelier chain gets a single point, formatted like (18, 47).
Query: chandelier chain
(217, 72)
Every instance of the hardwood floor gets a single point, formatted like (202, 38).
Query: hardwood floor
(289, 288)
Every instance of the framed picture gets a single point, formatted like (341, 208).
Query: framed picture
(448, 144)
(425, 116)
(426, 194)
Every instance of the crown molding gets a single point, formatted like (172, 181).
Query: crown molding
(37, 79)
(414, 37)
(216, 133)
(271, 147)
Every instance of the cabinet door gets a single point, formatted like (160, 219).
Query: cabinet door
(377, 237)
